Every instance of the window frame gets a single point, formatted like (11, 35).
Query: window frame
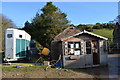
(9, 35)
(20, 36)
(90, 47)
(105, 49)
(74, 47)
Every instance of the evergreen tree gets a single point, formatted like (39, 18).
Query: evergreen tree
(116, 33)
(46, 25)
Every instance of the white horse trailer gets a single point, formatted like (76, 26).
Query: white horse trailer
(16, 44)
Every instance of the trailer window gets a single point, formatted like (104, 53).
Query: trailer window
(9, 35)
(20, 36)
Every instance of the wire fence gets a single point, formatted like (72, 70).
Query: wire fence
(114, 48)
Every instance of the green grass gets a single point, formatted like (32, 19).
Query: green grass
(105, 33)
(23, 69)
(17, 64)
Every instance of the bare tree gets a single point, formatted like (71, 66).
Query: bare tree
(4, 24)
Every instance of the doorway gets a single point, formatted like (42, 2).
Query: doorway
(95, 52)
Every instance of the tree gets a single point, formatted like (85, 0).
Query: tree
(118, 18)
(85, 27)
(97, 26)
(5, 23)
(116, 33)
(110, 26)
(45, 26)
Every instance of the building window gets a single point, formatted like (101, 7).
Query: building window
(9, 35)
(104, 45)
(94, 46)
(20, 36)
(88, 47)
(74, 48)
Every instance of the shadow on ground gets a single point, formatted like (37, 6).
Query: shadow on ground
(109, 72)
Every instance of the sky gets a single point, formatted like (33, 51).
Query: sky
(77, 12)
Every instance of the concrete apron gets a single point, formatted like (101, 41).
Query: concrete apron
(110, 72)
(114, 66)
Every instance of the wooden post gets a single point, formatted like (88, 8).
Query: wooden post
(63, 52)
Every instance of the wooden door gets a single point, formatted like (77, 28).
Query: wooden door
(88, 53)
(95, 52)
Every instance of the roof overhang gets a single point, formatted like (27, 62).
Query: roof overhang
(87, 33)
